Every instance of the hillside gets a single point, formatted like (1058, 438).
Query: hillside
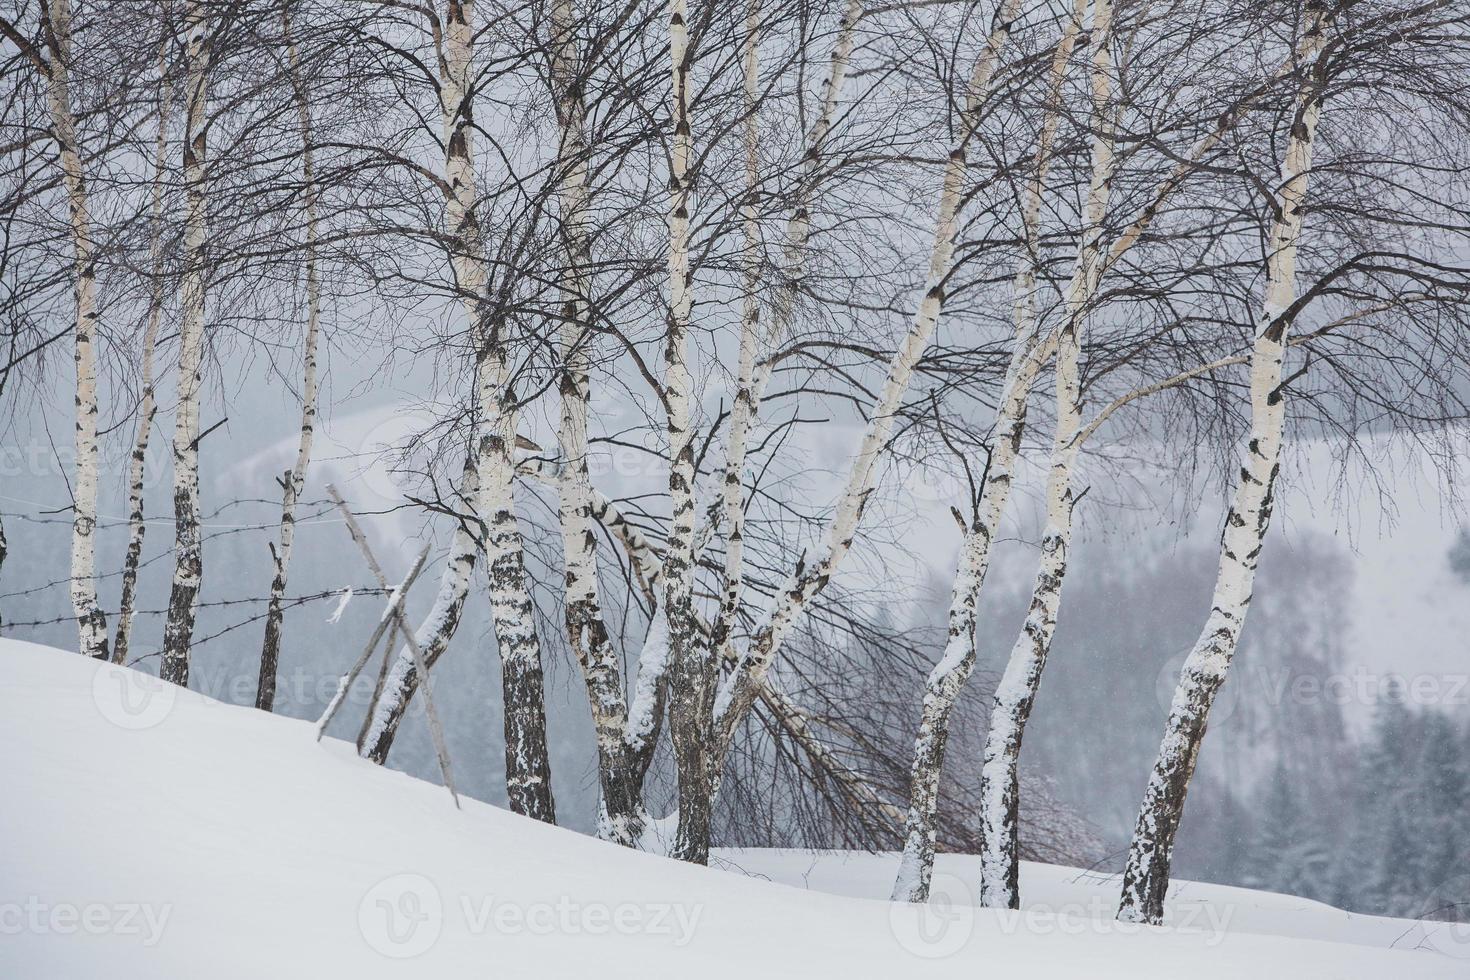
(152, 832)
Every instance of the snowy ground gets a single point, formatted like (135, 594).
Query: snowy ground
(152, 832)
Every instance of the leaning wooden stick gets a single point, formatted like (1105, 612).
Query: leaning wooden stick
(419, 662)
(395, 599)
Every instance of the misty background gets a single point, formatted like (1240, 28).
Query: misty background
(1338, 762)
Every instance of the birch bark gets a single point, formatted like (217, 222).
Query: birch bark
(91, 620)
(646, 700)
(645, 708)
(691, 662)
(948, 678)
(487, 483)
(148, 403)
(621, 813)
(743, 686)
(295, 479)
(1014, 697)
(754, 368)
(1146, 876)
(178, 631)
(742, 412)
(527, 764)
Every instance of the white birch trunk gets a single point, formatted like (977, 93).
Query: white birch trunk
(295, 480)
(621, 813)
(757, 346)
(742, 412)
(645, 707)
(1014, 697)
(649, 690)
(528, 772)
(178, 631)
(148, 402)
(692, 678)
(743, 686)
(91, 620)
(945, 682)
(527, 762)
(1146, 876)
(644, 713)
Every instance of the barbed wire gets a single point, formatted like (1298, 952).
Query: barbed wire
(215, 604)
(287, 604)
(229, 529)
(103, 519)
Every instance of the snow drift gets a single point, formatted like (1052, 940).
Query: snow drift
(154, 832)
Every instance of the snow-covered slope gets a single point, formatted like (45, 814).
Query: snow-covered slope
(152, 832)
(1080, 897)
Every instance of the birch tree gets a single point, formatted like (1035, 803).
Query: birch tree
(56, 23)
(741, 689)
(696, 659)
(692, 692)
(758, 341)
(1015, 695)
(178, 629)
(621, 816)
(1146, 877)
(742, 412)
(528, 769)
(948, 678)
(487, 485)
(148, 401)
(999, 776)
(294, 480)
